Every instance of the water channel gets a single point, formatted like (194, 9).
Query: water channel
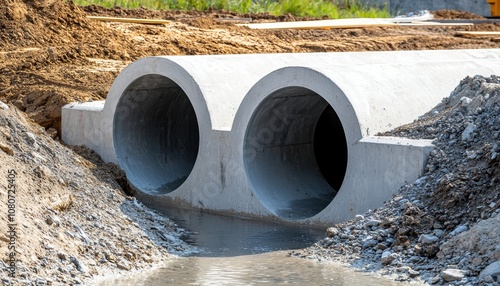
(239, 251)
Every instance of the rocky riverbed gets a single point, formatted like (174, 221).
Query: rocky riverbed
(444, 228)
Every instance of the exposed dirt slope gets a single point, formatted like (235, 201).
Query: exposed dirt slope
(72, 221)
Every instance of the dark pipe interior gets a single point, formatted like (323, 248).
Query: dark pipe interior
(329, 139)
(295, 153)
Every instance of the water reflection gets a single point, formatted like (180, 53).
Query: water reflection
(272, 268)
(225, 236)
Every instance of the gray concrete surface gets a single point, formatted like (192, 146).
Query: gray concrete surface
(403, 7)
(279, 136)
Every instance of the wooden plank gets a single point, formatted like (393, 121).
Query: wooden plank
(130, 20)
(322, 24)
(477, 34)
(354, 23)
(340, 23)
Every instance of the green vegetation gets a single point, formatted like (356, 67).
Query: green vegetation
(332, 9)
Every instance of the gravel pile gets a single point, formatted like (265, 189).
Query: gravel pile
(444, 228)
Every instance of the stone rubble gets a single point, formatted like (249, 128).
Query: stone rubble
(444, 228)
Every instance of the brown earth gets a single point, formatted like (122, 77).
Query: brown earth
(452, 14)
(51, 54)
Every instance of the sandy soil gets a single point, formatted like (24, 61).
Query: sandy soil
(51, 54)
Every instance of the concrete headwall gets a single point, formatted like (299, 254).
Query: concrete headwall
(403, 7)
(279, 136)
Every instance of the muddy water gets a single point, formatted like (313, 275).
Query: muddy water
(237, 251)
(225, 236)
(271, 268)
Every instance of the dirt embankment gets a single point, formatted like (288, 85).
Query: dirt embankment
(70, 219)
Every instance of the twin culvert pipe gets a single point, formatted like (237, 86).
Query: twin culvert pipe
(287, 137)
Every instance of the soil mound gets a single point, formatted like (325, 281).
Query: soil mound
(455, 14)
(42, 36)
(56, 23)
(464, 170)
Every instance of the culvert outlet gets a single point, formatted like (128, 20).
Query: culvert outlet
(156, 134)
(278, 136)
(295, 153)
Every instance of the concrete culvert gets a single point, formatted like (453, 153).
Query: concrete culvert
(295, 153)
(287, 137)
(156, 134)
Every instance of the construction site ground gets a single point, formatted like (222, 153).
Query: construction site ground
(75, 219)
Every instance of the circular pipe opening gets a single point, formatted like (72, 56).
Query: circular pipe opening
(156, 134)
(295, 153)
